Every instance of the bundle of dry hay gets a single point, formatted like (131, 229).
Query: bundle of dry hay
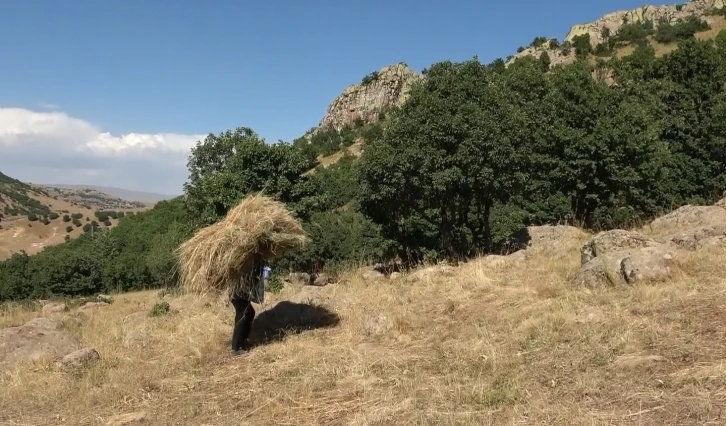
(220, 256)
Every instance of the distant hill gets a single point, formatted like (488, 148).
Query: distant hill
(35, 216)
(124, 194)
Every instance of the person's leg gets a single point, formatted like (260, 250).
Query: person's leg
(244, 315)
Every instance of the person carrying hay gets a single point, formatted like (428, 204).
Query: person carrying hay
(231, 256)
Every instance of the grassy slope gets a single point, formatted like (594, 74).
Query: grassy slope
(492, 343)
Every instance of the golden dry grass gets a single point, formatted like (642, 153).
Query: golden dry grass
(495, 343)
(217, 257)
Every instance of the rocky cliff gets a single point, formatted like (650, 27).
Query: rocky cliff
(670, 13)
(615, 20)
(382, 89)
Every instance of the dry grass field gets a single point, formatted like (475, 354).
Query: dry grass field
(500, 341)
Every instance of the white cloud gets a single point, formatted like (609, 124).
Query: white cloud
(53, 147)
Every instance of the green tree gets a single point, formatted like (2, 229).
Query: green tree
(544, 61)
(446, 158)
(226, 167)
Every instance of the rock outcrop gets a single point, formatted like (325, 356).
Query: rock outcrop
(670, 13)
(614, 21)
(623, 257)
(380, 90)
(40, 338)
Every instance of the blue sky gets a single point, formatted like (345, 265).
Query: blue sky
(194, 67)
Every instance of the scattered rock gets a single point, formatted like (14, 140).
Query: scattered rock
(696, 238)
(104, 298)
(321, 280)
(689, 216)
(626, 266)
(76, 318)
(395, 275)
(430, 273)
(717, 241)
(372, 276)
(137, 338)
(610, 241)
(44, 323)
(299, 278)
(629, 362)
(595, 273)
(40, 338)
(82, 358)
(307, 294)
(126, 419)
(54, 308)
(646, 264)
(92, 305)
(721, 203)
(376, 324)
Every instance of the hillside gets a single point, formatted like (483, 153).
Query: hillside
(617, 34)
(33, 217)
(138, 198)
(504, 243)
(86, 197)
(498, 340)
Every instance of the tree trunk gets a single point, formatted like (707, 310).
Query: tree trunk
(487, 226)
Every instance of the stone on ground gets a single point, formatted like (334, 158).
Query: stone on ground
(299, 278)
(40, 338)
(618, 257)
(54, 308)
(432, 272)
(611, 241)
(688, 217)
(82, 358)
(137, 338)
(377, 324)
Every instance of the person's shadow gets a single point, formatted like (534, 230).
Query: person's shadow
(290, 318)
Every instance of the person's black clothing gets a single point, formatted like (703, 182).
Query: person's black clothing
(244, 315)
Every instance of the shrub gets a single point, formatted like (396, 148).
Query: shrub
(681, 30)
(538, 42)
(160, 309)
(566, 48)
(32, 217)
(582, 45)
(370, 78)
(66, 218)
(69, 228)
(53, 216)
